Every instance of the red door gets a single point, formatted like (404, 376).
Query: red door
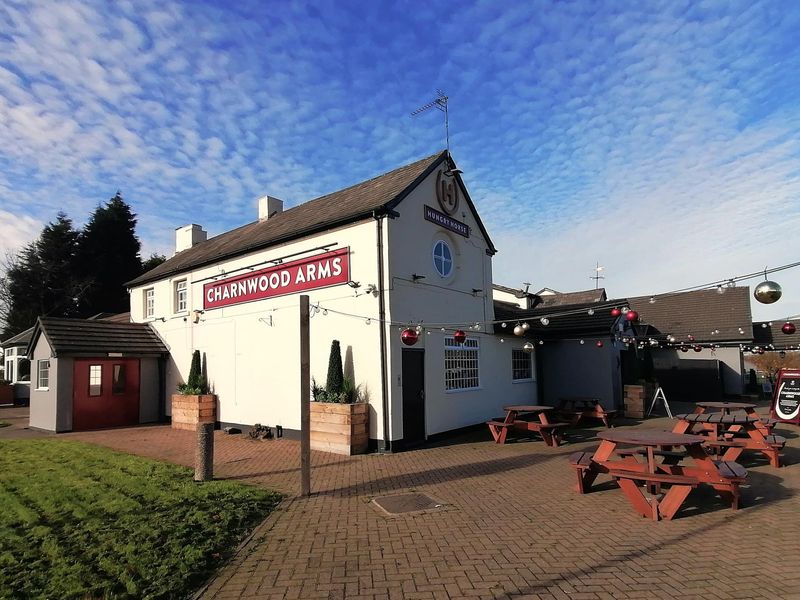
(105, 393)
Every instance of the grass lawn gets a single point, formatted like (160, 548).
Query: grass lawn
(78, 521)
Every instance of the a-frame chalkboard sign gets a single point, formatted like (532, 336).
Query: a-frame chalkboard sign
(786, 397)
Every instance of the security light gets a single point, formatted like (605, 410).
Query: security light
(354, 284)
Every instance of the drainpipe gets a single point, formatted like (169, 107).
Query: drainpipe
(381, 320)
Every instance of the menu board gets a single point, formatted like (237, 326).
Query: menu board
(786, 398)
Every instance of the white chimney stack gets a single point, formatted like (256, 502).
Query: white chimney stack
(189, 235)
(269, 207)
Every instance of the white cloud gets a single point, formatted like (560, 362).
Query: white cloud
(662, 142)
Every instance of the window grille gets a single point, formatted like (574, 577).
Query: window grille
(461, 364)
(520, 365)
(149, 303)
(180, 295)
(95, 380)
(43, 376)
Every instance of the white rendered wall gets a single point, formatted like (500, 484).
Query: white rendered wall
(463, 297)
(253, 349)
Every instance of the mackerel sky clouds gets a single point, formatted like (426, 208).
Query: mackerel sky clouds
(660, 139)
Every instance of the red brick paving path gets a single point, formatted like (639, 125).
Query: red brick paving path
(511, 527)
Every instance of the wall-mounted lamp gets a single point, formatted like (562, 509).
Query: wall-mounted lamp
(371, 289)
(476, 291)
(354, 284)
(196, 315)
(416, 277)
(453, 172)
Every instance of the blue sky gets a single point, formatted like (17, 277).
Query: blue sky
(660, 139)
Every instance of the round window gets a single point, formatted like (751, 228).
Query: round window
(442, 258)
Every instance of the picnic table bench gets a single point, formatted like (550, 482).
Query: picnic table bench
(636, 470)
(524, 417)
(730, 434)
(575, 409)
(749, 409)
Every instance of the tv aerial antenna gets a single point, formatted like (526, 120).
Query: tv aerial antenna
(597, 277)
(439, 103)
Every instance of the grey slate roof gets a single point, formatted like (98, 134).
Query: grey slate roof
(568, 321)
(772, 334)
(351, 204)
(698, 313)
(566, 298)
(87, 337)
(21, 339)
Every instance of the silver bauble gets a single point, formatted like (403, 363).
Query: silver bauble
(518, 330)
(767, 292)
(544, 321)
(525, 326)
(528, 347)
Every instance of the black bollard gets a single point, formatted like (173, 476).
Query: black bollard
(204, 454)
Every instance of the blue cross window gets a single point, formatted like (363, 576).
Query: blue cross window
(442, 258)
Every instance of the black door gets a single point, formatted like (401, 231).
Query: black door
(413, 396)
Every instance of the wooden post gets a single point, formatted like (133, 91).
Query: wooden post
(305, 399)
(204, 453)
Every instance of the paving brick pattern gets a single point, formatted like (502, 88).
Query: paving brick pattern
(511, 525)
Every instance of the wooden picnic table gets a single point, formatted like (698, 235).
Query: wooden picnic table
(749, 409)
(576, 408)
(526, 417)
(653, 463)
(732, 434)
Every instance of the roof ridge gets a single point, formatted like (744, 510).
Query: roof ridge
(356, 201)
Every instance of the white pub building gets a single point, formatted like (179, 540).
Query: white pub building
(405, 249)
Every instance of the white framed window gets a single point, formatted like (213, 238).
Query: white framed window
(95, 380)
(521, 365)
(180, 296)
(149, 303)
(442, 258)
(461, 364)
(43, 375)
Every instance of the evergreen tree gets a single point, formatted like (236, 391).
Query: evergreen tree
(335, 381)
(42, 278)
(108, 253)
(152, 262)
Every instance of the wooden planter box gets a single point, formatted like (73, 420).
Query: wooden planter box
(6, 393)
(340, 428)
(637, 398)
(188, 411)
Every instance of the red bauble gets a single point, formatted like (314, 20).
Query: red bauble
(631, 315)
(698, 348)
(788, 328)
(459, 336)
(409, 337)
(691, 338)
(759, 350)
(615, 312)
(684, 348)
(599, 344)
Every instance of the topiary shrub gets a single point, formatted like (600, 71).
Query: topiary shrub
(196, 384)
(335, 382)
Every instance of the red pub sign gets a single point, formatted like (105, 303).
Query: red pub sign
(314, 272)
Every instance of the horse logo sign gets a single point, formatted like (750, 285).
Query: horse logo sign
(447, 193)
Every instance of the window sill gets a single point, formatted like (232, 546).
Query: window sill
(459, 390)
(47, 389)
(523, 381)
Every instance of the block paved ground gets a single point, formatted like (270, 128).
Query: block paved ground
(511, 525)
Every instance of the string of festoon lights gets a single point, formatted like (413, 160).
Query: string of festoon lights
(767, 292)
